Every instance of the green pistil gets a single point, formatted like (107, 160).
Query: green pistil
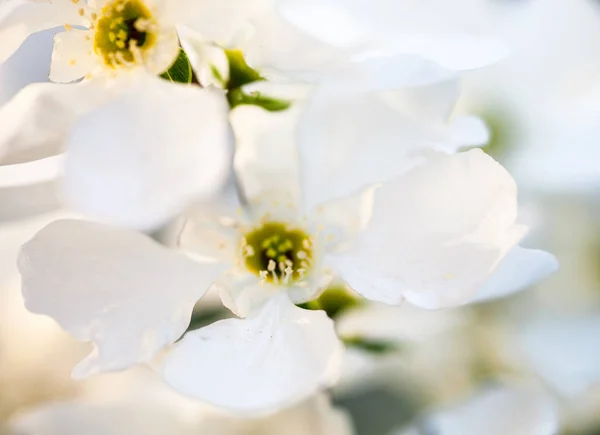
(278, 253)
(123, 28)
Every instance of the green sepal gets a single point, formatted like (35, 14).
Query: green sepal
(237, 97)
(334, 301)
(181, 70)
(371, 345)
(240, 73)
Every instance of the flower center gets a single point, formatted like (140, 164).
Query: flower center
(277, 253)
(123, 32)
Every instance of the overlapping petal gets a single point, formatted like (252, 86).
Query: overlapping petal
(142, 157)
(351, 138)
(520, 269)
(280, 355)
(36, 122)
(266, 160)
(406, 32)
(115, 287)
(73, 56)
(436, 233)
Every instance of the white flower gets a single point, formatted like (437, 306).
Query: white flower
(136, 403)
(136, 151)
(132, 297)
(432, 235)
(119, 35)
(502, 410)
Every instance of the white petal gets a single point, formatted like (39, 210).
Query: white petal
(520, 269)
(211, 233)
(73, 56)
(419, 29)
(99, 419)
(242, 293)
(21, 18)
(208, 60)
(325, 20)
(115, 287)
(274, 45)
(277, 357)
(383, 70)
(30, 173)
(350, 140)
(141, 158)
(218, 21)
(339, 222)
(36, 121)
(433, 103)
(564, 352)
(28, 65)
(162, 55)
(499, 411)
(266, 160)
(437, 233)
(456, 52)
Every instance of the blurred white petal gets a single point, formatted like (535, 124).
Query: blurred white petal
(564, 351)
(498, 411)
(115, 287)
(21, 18)
(38, 119)
(266, 154)
(144, 156)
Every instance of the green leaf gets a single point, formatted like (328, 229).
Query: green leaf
(371, 345)
(237, 97)
(180, 71)
(240, 73)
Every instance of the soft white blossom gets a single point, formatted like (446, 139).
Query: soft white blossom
(432, 235)
(129, 136)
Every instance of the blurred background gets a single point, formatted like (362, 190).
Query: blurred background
(542, 106)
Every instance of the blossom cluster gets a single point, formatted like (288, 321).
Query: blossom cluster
(293, 158)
